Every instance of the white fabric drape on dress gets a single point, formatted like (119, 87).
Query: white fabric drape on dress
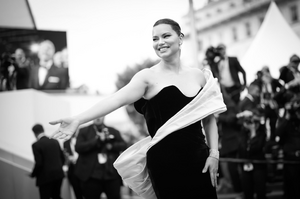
(131, 164)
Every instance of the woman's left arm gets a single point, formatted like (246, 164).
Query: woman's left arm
(212, 137)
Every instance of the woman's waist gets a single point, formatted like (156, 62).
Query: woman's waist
(185, 139)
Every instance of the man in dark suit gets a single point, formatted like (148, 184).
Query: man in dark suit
(290, 78)
(72, 156)
(98, 147)
(227, 71)
(22, 65)
(48, 168)
(47, 76)
(290, 72)
(251, 100)
(229, 131)
(290, 75)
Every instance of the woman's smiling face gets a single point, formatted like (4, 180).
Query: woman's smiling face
(166, 41)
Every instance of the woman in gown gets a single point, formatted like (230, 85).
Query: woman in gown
(184, 164)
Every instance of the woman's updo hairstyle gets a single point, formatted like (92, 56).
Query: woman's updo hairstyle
(175, 26)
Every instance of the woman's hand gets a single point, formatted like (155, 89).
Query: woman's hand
(212, 165)
(68, 127)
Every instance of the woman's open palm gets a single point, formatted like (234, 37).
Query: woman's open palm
(68, 127)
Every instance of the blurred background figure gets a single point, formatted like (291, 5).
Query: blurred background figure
(288, 131)
(22, 69)
(57, 59)
(290, 78)
(65, 63)
(229, 130)
(251, 101)
(65, 58)
(49, 160)
(253, 138)
(98, 147)
(290, 74)
(7, 72)
(269, 89)
(227, 70)
(211, 59)
(47, 76)
(71, 159)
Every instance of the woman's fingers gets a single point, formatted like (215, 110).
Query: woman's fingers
(60, 135)
(214, 178)
(205, 168)
(56, 122)
(213, 171)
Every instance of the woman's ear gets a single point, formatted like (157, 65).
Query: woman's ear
(180, 41)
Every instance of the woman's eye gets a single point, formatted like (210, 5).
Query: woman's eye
(166, 36)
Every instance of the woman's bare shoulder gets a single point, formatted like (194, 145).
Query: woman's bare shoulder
(198, 74)
(196, 71)
(144, 73)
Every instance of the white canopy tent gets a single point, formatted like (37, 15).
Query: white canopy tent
(273, 45)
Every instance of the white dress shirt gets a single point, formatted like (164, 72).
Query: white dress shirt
(225, 76)
(43, 70)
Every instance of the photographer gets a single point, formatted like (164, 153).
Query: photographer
(212, 57)
(7, 72)
(288, 131)
(227, 70)
(253, 137)
(98, 147)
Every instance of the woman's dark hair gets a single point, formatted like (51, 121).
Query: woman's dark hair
(175, 26)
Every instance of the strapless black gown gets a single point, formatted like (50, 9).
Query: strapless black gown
(175, 163)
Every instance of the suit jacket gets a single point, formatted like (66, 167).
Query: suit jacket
(88, 146)
(229, 130)
(49, 160)
(56, 79)
(22, 78)
(286, 74)
(253, 148)
(276, 85)
(67, 146)
(234, 68)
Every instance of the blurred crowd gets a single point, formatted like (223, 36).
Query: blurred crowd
(85, 160)
(260, 128)
(49, 71)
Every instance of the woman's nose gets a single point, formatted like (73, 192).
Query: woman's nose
(161, 41)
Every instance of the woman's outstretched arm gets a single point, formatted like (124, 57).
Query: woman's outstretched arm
(130, 93)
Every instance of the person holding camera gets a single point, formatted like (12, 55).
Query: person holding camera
(98, 147)
(71, 158)
(253, 138)
(227, 70)
(288, 131)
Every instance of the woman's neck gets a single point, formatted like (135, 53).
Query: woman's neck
(173, 65)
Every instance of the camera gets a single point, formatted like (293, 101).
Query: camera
(212, 52)
(107, 136)
(251, 119)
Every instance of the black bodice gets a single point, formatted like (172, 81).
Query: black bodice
(163, 106)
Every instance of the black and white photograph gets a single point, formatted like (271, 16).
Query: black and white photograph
(150, 99)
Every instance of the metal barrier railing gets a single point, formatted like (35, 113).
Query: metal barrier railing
(267, 161)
